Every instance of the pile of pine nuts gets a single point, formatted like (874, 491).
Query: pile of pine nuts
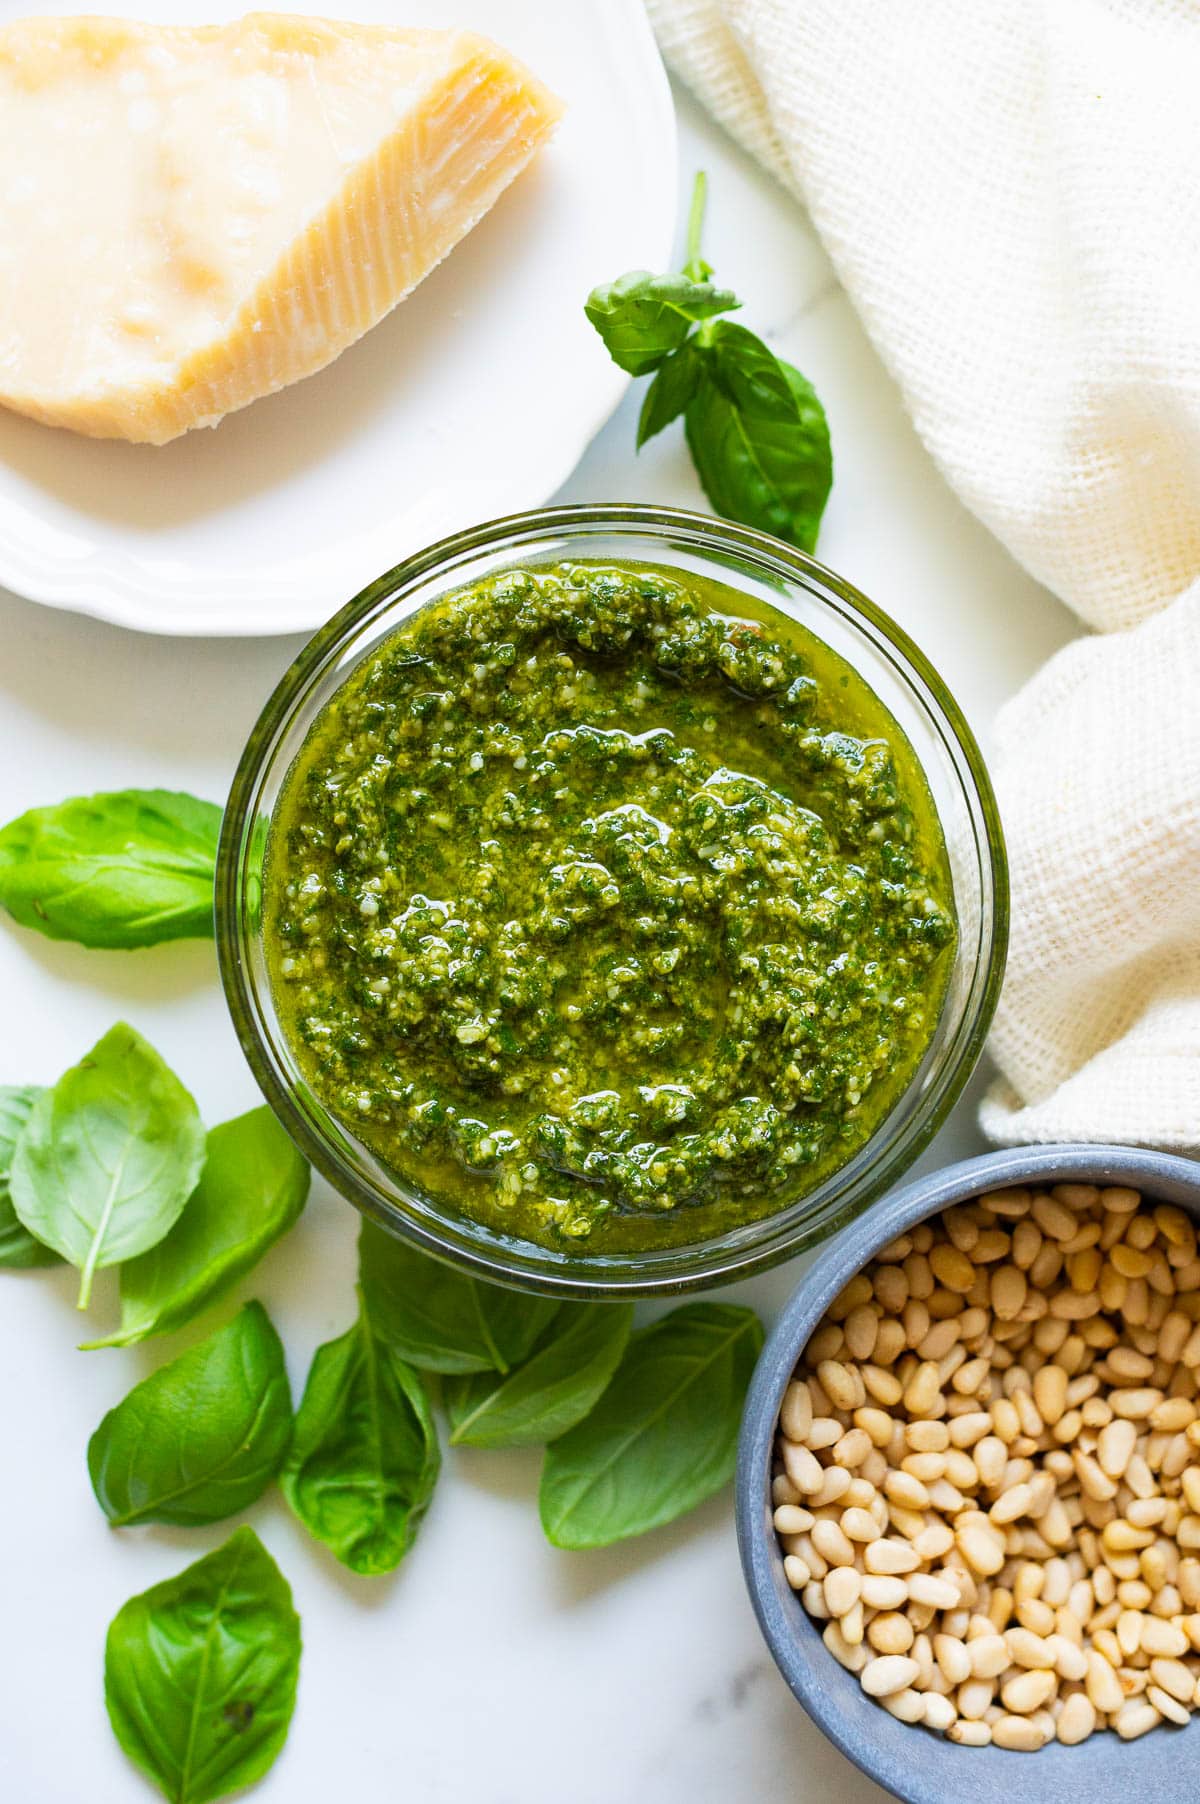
(986, 1484)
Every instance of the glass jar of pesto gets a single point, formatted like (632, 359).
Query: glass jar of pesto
(611, 899)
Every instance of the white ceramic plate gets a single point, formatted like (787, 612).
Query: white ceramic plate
(473, 399)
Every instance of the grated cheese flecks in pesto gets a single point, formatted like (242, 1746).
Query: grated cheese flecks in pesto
(605, 912)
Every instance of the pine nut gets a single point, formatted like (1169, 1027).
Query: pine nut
(928, 1588)
(852, 1449)
(842, 1586)
(853, 1624)
(1012, 1503)
(1135, 1718)
(838, 1383)
(852, 1658)
(876, 1423)
(887, 1674)
(908, 1706)
(928, 1436)
(1028, 1691)
(1018, 1735)
(813, 1599)
(883, 1385)
(1127, 1364)
(1162, 1639)
(890, 1633)
(982, 1549)
(1028, 1650)
(1070, 1661)
(923, 1390)
(935, 1541)
(1103, 1686)
(1167, 1706)
(952, 1268)
(975, 1697)
(859, 1525)
(802, 1467)
(790, 1519)
(970, 1377)
(953, 1658)
(1174, 1677)
(891, 1556)
(989, 1656)
(825, 1431)
(796, 1571)
(1172, 1414)
(940, 1713)
(1093, 1478)
(796, 1411)
(969, 1429)
(1118, 1199)
(1054, 1218)
(1076, 1720)
(1050, 1393)
(940, 1340)
(1134, 1404)
(961, 1469)
(1128, 1261)
(860, 1329)
(902, 1488)
(835, 1485)
(880, 1592)
(1008, 1292)
(969, 1734)
(1036, 1616)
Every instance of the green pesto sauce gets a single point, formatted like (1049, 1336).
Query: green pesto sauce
(606, 908)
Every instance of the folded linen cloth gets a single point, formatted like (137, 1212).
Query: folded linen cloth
(1010, 192)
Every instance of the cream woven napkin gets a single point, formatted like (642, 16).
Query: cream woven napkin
(1010, 190)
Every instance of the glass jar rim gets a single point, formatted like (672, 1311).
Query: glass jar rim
(740, 1251)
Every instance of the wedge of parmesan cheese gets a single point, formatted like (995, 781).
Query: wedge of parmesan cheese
(191, 217)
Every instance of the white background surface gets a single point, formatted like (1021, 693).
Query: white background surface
(491, 1669)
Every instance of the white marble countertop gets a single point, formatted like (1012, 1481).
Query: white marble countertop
(491, 1669)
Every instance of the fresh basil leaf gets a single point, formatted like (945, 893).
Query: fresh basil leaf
(439, 1319)
(202, 1437)
(251, 1191)
(365, 1457)
(108, 1157)
(673, 387)
(19, 1251)
(643, 318)
(124, 869)
(556, 1387)
(200, 1672)
(759, 438)
(662, 1438)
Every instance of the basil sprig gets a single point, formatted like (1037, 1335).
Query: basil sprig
(125, 869)
(365, 1456)
(202, 1437)
(663, 1436)
(251, 1191)
(644, 318)
(200, 1672)
(756, 431)
(107, 1158)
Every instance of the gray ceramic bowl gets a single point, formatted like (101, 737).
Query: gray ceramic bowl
(912, 1763)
